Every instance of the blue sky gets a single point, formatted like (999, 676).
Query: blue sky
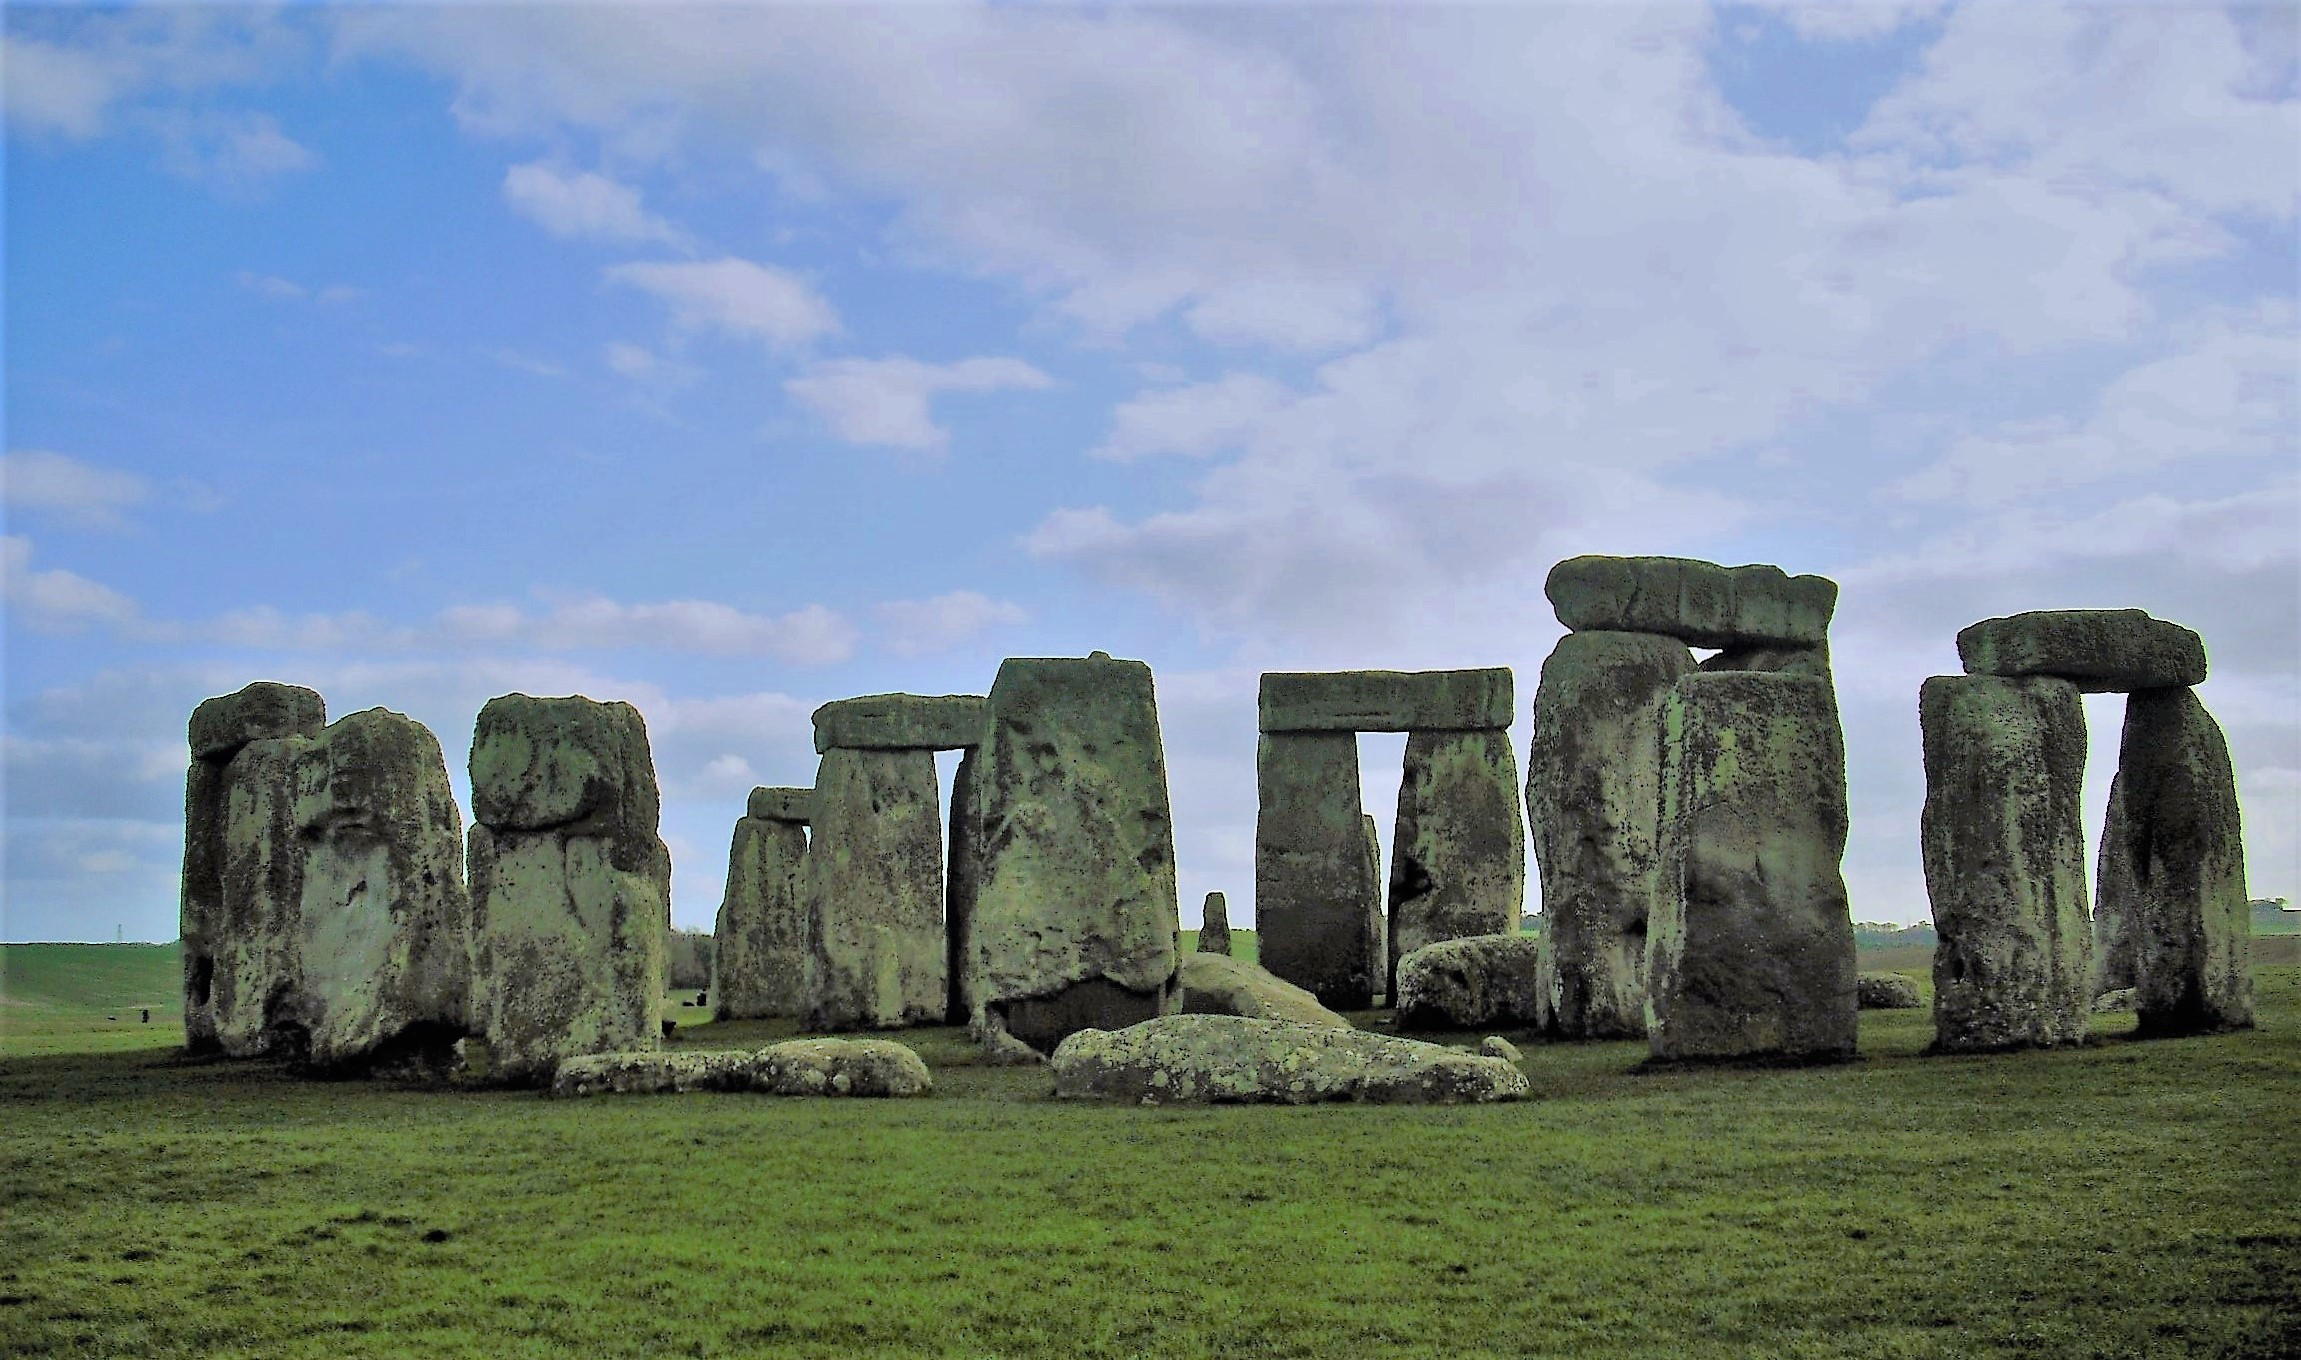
(731, 360)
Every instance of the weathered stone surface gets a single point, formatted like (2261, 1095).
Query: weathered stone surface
(1223, 1059)
(1887, 992)
(201, 900)
(900, 722)
(570, 883)
(1376, 926)
(1386, 701)
(2116, 898)
(385, 922)
(2096, 649)
(2116, 999)
(962, 884)
(1214, 925)
(2004, 852)
(759, 954)
(877, 957)
(1458, 852)
(1314, 890)
(1217, 984)
(265, 709)
(2184, 847)
(1593, 796)
(1481, 982)
(1696, 602)
(252, 942)
(1495, 1046)
(1750, 952)
(1075, 921)
(800, 1067)
(781, 805)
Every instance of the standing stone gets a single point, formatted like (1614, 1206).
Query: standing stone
(1377, 924)
(962, 884)
(759, 953)
(1313, 888)
(570, 882)
(2005, 861)
(239, 944)
(386, 937)
(1075, 922)
(2116, 898)
(1214, 926)
(1593, 796)
(2184, 847)
(1458, 851)
(256, 983)
(1751, 948)
(877, 956)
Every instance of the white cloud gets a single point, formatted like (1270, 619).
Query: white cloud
(884, 401)
(736, 296)
(235, 152)
(57, 601)
(73, 491)
(585, 205)
(1195, 421)
(525, 363)
(918, 627)
(643, 365)
(812, 635)
(55, 88)
(288, 290)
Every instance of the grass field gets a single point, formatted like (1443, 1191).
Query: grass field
(2126, 1199)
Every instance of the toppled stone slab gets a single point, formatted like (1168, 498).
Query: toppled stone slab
(900, 722)
(1593, 796)
(1315, 890)
(1386, 701)
(1751, 947)
(1216, 984)
(1214, 925)
(255, 712)
(1700, 603)
(796, 806)
(1458, 854)
(1482, 982)
(1075, 918)
(1887, 992)
(877, 957)
(1495, 1046)
(2098, 650)
(800, 1067)
(759, 954)
(1222, 1059)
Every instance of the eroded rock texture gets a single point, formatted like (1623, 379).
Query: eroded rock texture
(2096, 649)
(2116, 898)
(1697, 602)
(798, 1067)
(1458, 853)
(759, 956)
(1314, 888)
(877, 956)
(1223, 1059)
(1482, 982)
(1217, 984)
(962, 885)
(900, 722)
(1214, 925)
(1385, 701)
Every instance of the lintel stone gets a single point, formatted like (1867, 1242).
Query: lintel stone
(255, 712)
(2099, 650)
(1699, 603)
(900, 722)
(1387, 701)
(782, 805)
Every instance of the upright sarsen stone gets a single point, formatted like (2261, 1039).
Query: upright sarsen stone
(1593, 797)
(1458, 852)
(1314, 889)
(2116, 898)
(962, 884)
(877, 957)
(759, 953)
(1751, 948)
(2004, 853)
(1214, 925)
(1076, 919)
(1377, 923)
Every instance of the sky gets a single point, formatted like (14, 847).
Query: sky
(731, 360)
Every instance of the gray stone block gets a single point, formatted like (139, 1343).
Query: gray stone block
(1386, 701)
(1314, 890)
(2100, 650)
(877, 957)
(265, 709)
(1697, 602)
(900, 722)
(781, 805)
(1458, 848)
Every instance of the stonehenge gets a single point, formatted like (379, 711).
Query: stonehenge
(759, 956)
(1477, 982)
(1228, 1059)
(1214, 925)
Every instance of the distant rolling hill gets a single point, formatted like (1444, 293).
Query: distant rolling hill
(91, 976)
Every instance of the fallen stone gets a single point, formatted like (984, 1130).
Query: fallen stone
(796, 806)
(256, 712)
(1458, 854)
(2117, 999)
(800, 1067)
(1700, 603)
(1887, 992)
(900, 722)
(1075, 919)
(1001, 1049)
(759, 954)
(1222, 1059)
(877, 956)
(2096, 649)
(1495, 1046)
(1386, 701)
(2004, 854)
(1214, 926)
(1314, 891)
(1216, 984)
(1593, 796)
(1482, 982)
(1751, 946)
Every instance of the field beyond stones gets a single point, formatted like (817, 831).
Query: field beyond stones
(2126, 1199)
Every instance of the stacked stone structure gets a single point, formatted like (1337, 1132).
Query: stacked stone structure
(1457, 851)
(759, 953)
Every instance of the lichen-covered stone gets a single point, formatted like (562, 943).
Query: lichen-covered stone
(1375, 928)
(1385, 701)
(1217, 984)
(1697, 602)
(256, 712)
(253, 943)
(877, 957)
(1750, 952)
(2116, 898)
(1593, 794)
(386, 925)
(1076, 919)
(800, 1067)
(1458, 854)
(900, 722)
(201, 901)
(1887, 992)
(1222, 1059)
(781, 805)
(2096, 649)
(1481, 982)
(1314, 890)
(2116, 999)
(962, 884)
(2185, 849)
(570, 765)
(1214, 926)
(1495, 1046)
(759, 954)
(2004, 853)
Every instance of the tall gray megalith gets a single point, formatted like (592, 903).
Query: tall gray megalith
(877, 955)
(1750, 952)
(962, 884)
(2116, 898)
(570, 883)
(1593, 800)
(2004, 852)
(759, 949)
(1214, 925)
(1313, 888)
(1076, 919)
(242, 887)
(1458, 848)
(1376, 926)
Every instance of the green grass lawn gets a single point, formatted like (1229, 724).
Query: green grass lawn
(2126, 1199)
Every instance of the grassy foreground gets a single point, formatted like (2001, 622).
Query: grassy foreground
(2127, 1199)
